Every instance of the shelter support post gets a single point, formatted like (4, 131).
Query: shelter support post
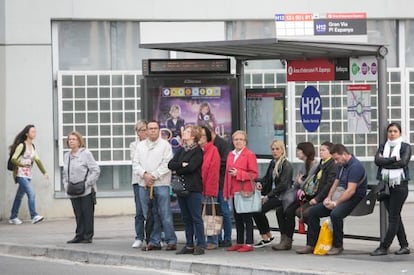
(382, 124)
(242, 93)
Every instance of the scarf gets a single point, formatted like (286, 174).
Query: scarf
(392, 149)
(189, 147)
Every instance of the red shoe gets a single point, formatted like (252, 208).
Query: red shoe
(234, 247)
(245, 248)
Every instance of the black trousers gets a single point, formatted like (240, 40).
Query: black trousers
(261, 220)
(84, 209)
(286, 219)
(244, 224)
(394, 204)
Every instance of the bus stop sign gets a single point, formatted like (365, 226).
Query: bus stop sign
(311, 108)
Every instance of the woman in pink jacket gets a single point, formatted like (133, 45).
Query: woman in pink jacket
(210, 172)
(241, 168)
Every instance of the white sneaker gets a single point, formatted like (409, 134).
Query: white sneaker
(15, 221)
(137, 244)
(37, 219)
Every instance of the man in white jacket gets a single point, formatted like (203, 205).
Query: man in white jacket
(150, 165)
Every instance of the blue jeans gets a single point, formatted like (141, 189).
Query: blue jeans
(337, 215)
(161, 213)
(225, 210)
(139, 215)
(394, 204)
(25, 187)
(191, 214)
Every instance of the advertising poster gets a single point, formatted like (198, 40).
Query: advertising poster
(177, 107)
(265, 118)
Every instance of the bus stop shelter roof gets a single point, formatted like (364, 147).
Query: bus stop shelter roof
(260, 49)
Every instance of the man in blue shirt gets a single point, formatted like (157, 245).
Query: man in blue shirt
(348, 189)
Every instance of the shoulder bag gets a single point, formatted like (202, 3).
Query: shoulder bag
(75, 188)
(248, 201)
(178, 186)
(340, 190)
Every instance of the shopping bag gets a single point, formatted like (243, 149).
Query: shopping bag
(213, 222)
(325, 239)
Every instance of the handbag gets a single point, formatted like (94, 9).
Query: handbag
(212, 223)
(76, 188)
(289, 197)
(325, 239)
(383, 190)
(311, 186)
(340, 190)
(248, 202)
(178, 186)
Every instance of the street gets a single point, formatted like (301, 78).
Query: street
(44, 266)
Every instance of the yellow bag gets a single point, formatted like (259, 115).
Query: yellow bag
(325, 239)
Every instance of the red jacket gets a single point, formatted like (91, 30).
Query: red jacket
(210, 170)
(245, 164)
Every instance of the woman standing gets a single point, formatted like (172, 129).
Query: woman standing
(277, 180)
(305, 151)
(210, 173)
(187, 163)
(241, 168)
(392, 159)
(24, 154)
(80, 165)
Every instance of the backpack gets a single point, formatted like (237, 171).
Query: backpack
(10, 165)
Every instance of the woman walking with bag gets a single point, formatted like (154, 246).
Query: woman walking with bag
(80, 167)
(23, 155)
(241, 171)
(392, 159)
(187, 164)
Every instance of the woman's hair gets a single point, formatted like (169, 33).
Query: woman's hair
(240, 132)
(394, 124)
(175, 107)
(21, 137)
(208, 133)
(78, 136)
(195, 132)
(279, 162)
(140, 123)
(205, 104)
(309, 151)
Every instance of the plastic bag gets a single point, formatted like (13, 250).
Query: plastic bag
(325, 239)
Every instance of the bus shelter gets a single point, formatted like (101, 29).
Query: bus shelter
(282, 49)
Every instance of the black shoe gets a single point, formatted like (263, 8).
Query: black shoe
(402, 251)
(225, 243)
(198, 250)
(74, 240)
(185, 250)
(380, 251)
(86, 241)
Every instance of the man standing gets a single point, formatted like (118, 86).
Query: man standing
(224, 149)
(150, 164)
(348, 189)
(141, 130)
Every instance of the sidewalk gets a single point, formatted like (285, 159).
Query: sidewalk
(114, 236)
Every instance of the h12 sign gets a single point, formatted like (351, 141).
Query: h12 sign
(311, 108)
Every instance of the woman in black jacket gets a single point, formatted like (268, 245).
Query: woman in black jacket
(277, 180)
(187, 164)
(392, 159)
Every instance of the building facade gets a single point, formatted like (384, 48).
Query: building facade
(77, 65)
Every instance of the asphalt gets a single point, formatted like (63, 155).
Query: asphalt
(114, 236)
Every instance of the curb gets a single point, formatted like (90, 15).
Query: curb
(104, 258)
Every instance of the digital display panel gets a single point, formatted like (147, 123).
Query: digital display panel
(187, 66)
(265, 119)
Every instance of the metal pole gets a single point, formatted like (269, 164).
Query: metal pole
(242, 93)
(382, 123)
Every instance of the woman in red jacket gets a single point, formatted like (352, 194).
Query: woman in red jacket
(210, 172)
(241, 168)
